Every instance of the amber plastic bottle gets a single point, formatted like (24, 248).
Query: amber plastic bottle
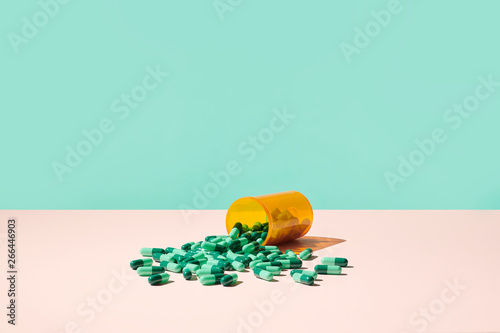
(289, 215)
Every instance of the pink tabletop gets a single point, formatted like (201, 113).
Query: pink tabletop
(412, 271)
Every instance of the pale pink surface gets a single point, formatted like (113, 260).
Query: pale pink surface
(400, 259)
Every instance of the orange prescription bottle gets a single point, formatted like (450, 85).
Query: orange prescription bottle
(289, 215)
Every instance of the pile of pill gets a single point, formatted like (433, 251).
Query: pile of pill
(212, 260)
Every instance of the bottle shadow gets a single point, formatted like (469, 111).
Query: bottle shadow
(315, 243)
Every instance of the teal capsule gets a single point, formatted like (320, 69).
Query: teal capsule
(305, 254)
(237, 243)
(273, 256)
(264, 234)
(271, 263)
(134, 264)
(196, 245)
(191, 267)
(270, 247)
(151, 270)
(290, 263)
(251, 247)
(198, 255)
(263, 274)
(274, 270)
(171, 266)
(302, 278)
(157, 279)
(290, 254)
(213, 247)
(255, 263)
(328, 269)
(217, 239)
(235, 231)
(175, 251)
(238, 266)
(222, 263)
(229, 279)
(167, 257)
(342, 262)
(211, 279)
(187, 274)
(209, 271)
(314, 275)
(187, 246)
(148, 251)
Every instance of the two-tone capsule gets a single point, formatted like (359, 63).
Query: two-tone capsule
(305, 254)
(187, 273)
(151, 270)
(290, 263)
(171, 266)
(274, 270)
(313, 274)
(148, 251)
(342, 262)
(229, 279)
(328, 269)
(134, 264)
(209, 271)
(211, 279)
(302, 278)
(262, 274)
(209, 246)
(157, 279)
(235, 231)
(251, 247)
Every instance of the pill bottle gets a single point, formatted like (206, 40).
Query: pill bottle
(289, 215)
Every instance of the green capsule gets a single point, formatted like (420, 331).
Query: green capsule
(314, 275)
(187, 274)
(273, 256)
(305, 254)
(274, 270)
(244, 228)
(229, 279)
(187, 246)
(211, 279)
(342, 262)
(237, 243)
(270, 247)
(167, 257)
(196, 245)
(134, 264)
(260, 240)
(251, 247)
(157, 279)
(191, 267)
(255, 263)
(328, 269)
(257, 226)
(270, 263)
(302, 278)
(290, 254)
(213, 247)
(263, 274)
(222, 263)
(199, 255)
(235, 231)
(237, 266)
(290, 263)
(217, 239)
(175, 251)
(151, 270)
(264, 234)
(171, 266)
(209, 271)
(148, 251)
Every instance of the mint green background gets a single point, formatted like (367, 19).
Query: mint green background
(226, 76)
